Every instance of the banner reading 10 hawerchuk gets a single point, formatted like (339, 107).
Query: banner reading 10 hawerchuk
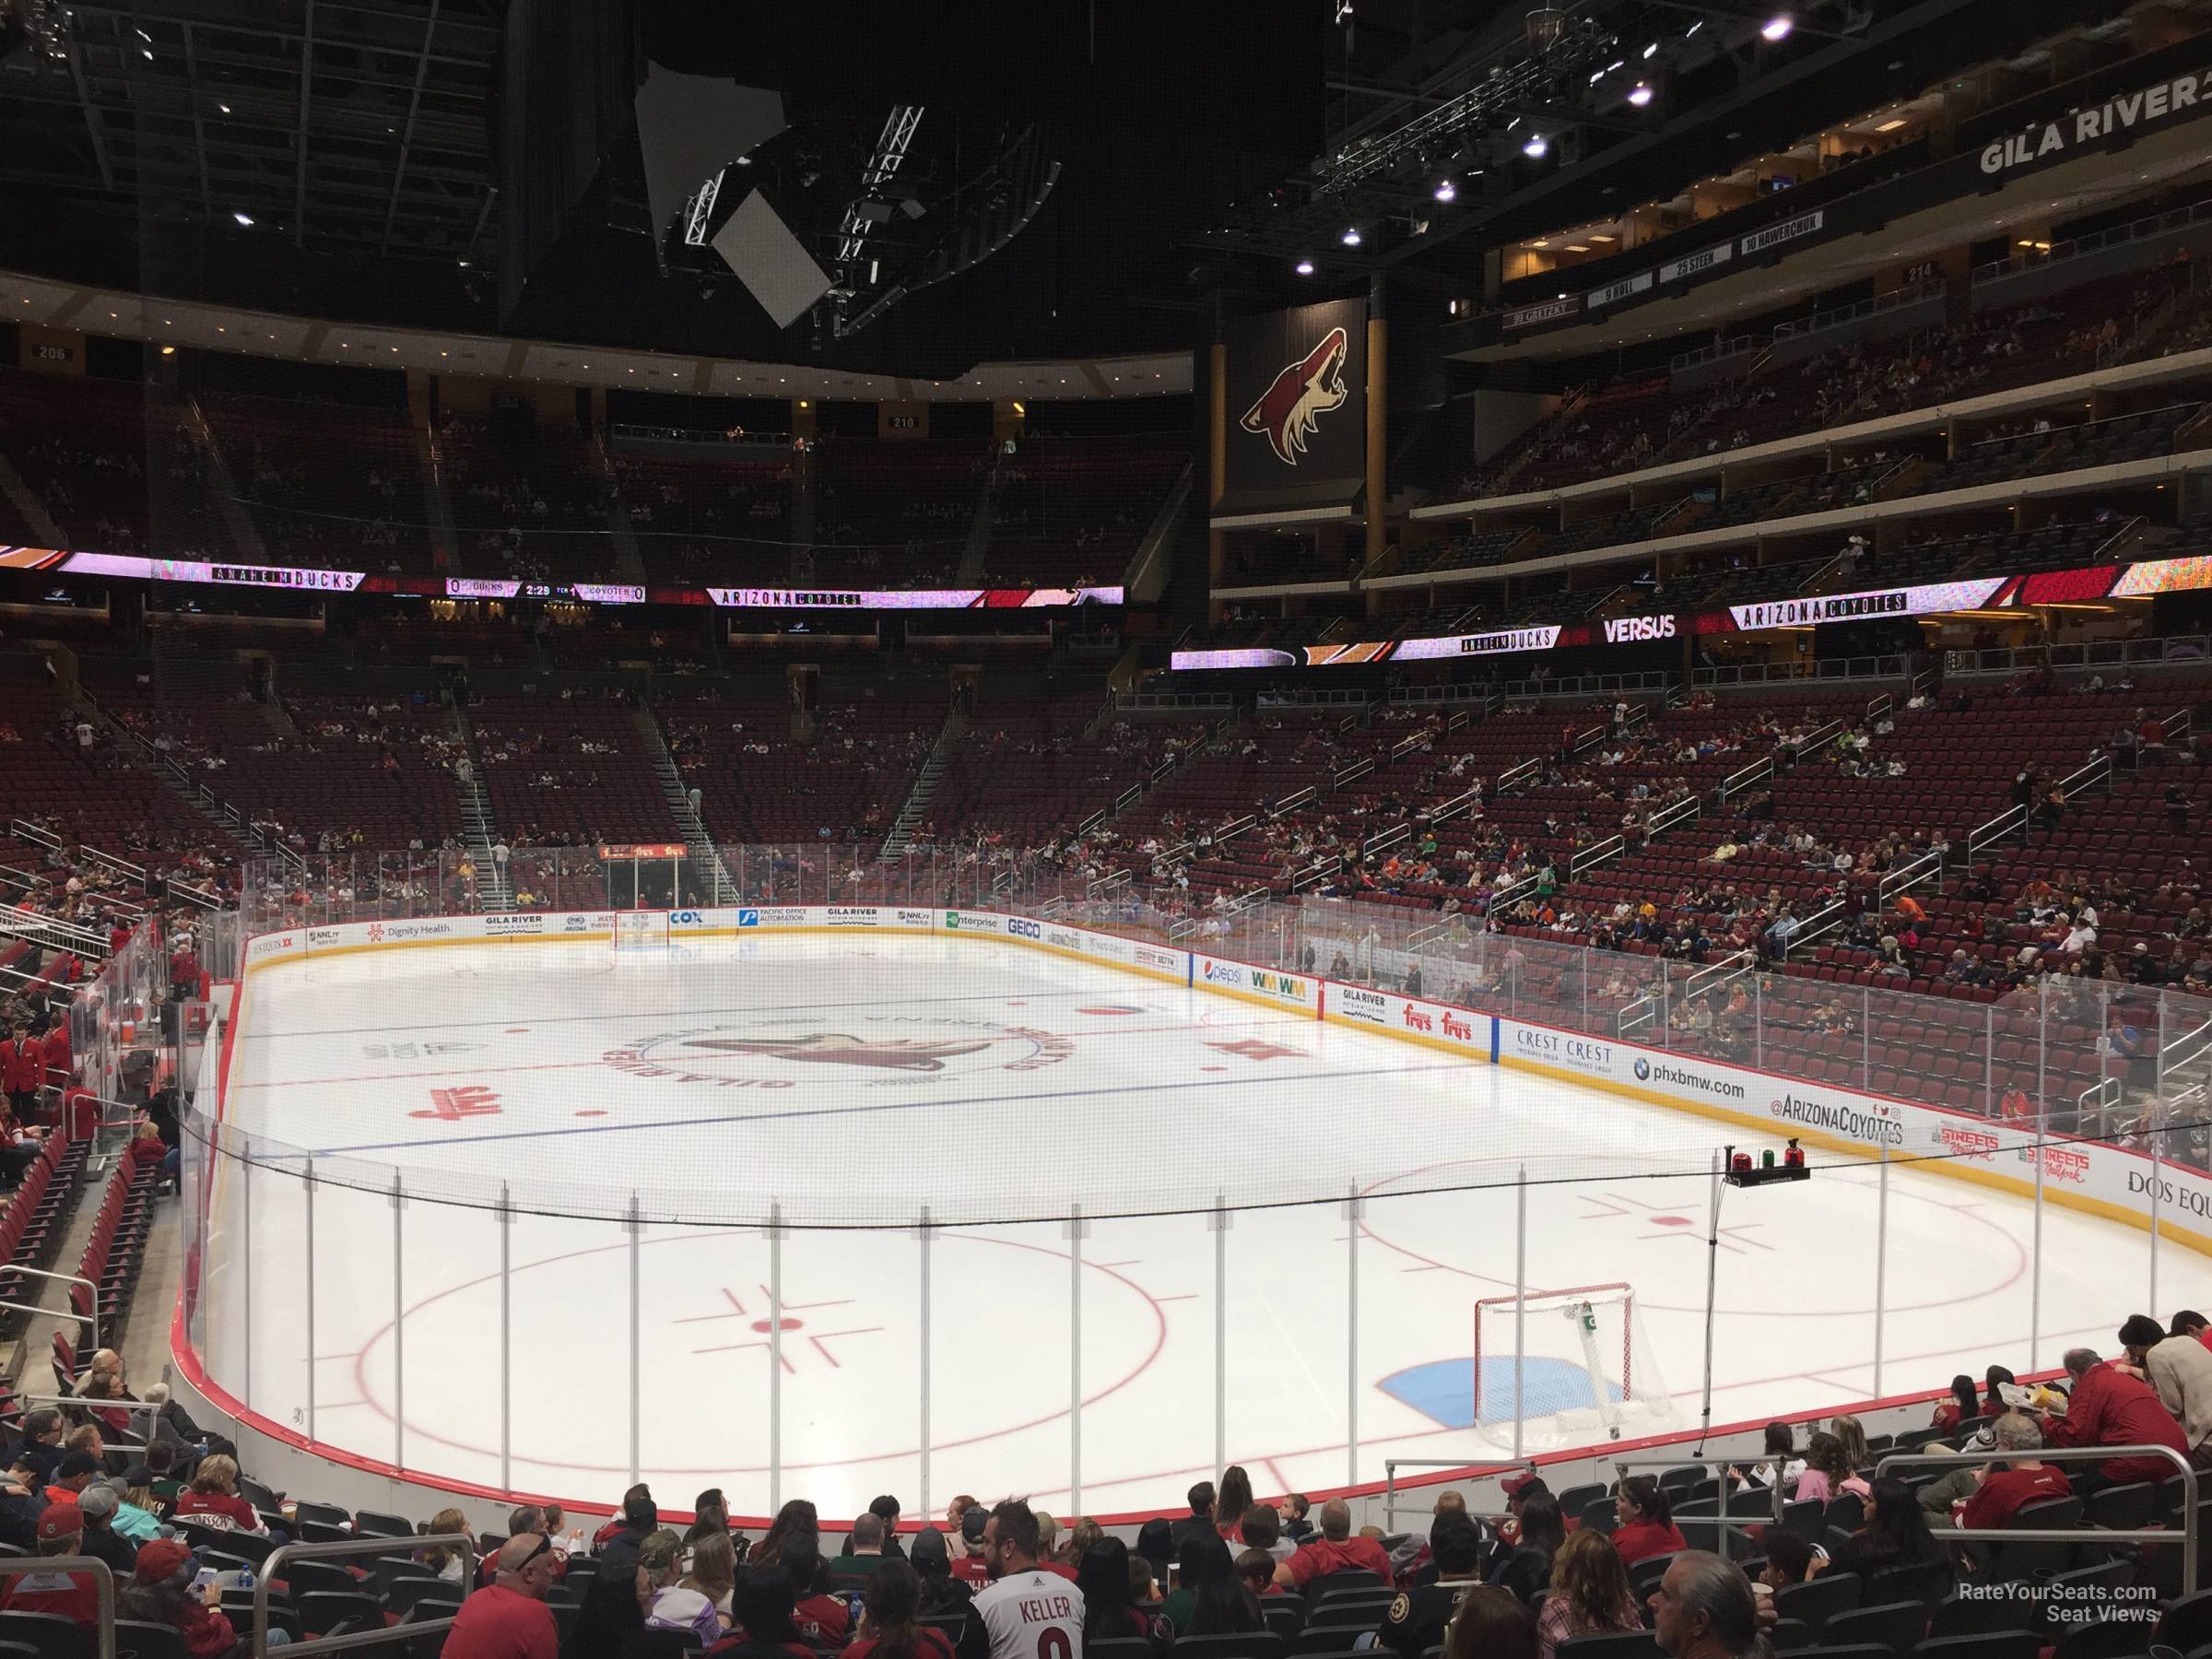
(1296, 395)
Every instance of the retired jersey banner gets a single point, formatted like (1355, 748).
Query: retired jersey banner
(1296, 391)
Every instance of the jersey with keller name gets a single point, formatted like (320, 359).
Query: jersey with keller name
(1032, 1614)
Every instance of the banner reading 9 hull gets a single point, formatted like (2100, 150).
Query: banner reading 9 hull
(1295, 389)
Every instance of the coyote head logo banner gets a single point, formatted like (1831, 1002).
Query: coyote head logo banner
(1289, 411)
(1294, 408)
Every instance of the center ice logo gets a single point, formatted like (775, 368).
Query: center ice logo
(874, 1051)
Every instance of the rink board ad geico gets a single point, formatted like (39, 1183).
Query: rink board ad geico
(2104, 1180)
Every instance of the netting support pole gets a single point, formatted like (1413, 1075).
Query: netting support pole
(506, 1220)
(1989, 1060)
(925, 1238)
(2156, 1177)
(245, 1185)
(1076, 1229)
(1758, 1024)
(399, 1328)
(1352, 1211)
(1713, 1271)
(307, 1197)
(2035, 1251)
(1881, 1262)
(1520, 1298)
(635, 1227)
(1218, 1221)
(775, 1357)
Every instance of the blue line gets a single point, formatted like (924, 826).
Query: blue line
(816, 1111)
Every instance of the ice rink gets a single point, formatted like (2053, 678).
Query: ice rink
(860, 1085)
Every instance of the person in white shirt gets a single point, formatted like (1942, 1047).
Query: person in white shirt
(1028, 1611)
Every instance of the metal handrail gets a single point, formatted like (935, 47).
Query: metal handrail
(24, 829)
(1391, 1465)
(2082, 1534)
(273, 1567)
(17, 918)
(1744, 777)
(103, 1587)
(67, 1278)
(1829, 916)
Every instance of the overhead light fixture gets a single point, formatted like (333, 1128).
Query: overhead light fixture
(224, 107)
(1693, 29)
(1446, 191)
(1602, 237)
(1304, 267)
(1351, 236)
(1578, 248)
(1535, 147)
(243, 219)
(1650, 51)
(1777, 28)
(1892, 125)
(1541, 241)
(168, 351)
(1640, 94)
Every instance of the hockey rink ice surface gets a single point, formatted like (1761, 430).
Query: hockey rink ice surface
(863, 1078)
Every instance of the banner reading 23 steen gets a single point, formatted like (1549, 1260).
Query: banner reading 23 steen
(1296, 395)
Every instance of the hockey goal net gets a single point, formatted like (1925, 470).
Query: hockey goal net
(640, 930)
(1586, 1373)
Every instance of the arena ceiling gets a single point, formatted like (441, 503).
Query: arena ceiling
(344, 158)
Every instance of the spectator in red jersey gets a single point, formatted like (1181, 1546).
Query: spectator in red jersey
(212, 1498)
(22, 1070)
(2111, 1407)
(971, 1567)
(1647, 1522)
(71, 1595)
(818, 1610)
(19, 1148)
(2022, 1479)
(889, 1607)
(160, 1590)
(1335, 1551)
(1964, 1406)
(508, 1618)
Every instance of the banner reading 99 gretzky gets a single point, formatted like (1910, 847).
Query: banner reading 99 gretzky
(1296, 396)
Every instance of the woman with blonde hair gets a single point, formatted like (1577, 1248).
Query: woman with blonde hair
(667, 1604)
(713, 1570)
(212, 1498)
(1849, 1431)
(443, 1560)
(1590, 1593)
(1081, 1536)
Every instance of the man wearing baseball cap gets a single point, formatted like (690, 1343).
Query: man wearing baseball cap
(160, 1591)
(98, 1503)
(71, 1595)
(1518, 1490)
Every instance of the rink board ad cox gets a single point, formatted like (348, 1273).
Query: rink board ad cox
(2107, 1181)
